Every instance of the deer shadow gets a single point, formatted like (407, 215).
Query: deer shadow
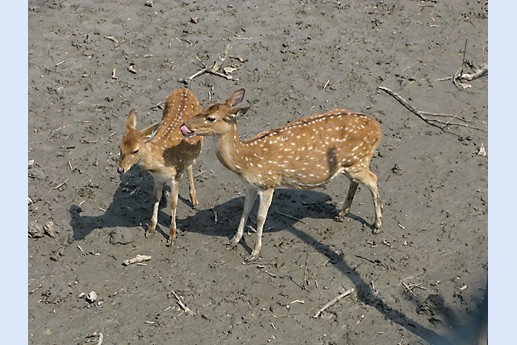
(292, 206)
(131, 206)
(287, 208)
(464, 330)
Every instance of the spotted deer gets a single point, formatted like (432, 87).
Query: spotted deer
(302, 154)
(164, 152)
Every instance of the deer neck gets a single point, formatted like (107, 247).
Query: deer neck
(230, 149)
(149, 157)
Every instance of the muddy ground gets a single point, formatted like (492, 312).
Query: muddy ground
(420, 281)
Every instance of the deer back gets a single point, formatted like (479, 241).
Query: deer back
(179, 106)
(312, 150)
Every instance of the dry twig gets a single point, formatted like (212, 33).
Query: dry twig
(375, 262)
(34, 290)
(137, 259)
(214, 69)
(159, 106)
(422, 114)
(182, 305)
(111, 38)
(305, 280)
(62, 183)
(215, 216)
(460, 78)
(289, 216)
(410, 287)
(331, 303)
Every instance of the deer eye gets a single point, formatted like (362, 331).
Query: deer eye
(134, 152)
(210, 119)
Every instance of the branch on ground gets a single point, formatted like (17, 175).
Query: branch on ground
(423, 115)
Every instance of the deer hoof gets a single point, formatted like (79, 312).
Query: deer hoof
(341, 216)
(252, 258)
(195, 202)
(230, 245)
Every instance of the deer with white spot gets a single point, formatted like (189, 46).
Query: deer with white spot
(302, 154)
(164, 152)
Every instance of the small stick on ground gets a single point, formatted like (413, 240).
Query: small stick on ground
(459, 79)
(305, 280)
(62, 183)
(199, 174)
(331, 303)
(111, 38)
(478, 73)
(270, 274)
(215, 216)
(214, 69)
(136, 259)
(182, 305)
(375, 262)
(410, 287)
(32, 291)
(442, 125)
(288, 216)
(159, 106)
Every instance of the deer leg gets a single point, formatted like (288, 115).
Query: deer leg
(369, 179)
(249, 200)
(158, 189)
(348, 201)
(266, 196)
(192, 188)
(174, 205)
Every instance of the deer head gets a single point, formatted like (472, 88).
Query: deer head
(133, 142)
(216, 118)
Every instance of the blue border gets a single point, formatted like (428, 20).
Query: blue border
(14, 38)
(501, 130)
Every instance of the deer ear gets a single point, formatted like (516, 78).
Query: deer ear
(235, 98)
(242, 110)
(131, 120)
(150, 131)
(236, 112)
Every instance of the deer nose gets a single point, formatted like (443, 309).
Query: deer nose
(120, 170)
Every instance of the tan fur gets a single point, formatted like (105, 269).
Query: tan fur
(302, 154)
(165, 155)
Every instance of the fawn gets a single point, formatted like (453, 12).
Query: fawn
(164, 152)
(303, 154)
